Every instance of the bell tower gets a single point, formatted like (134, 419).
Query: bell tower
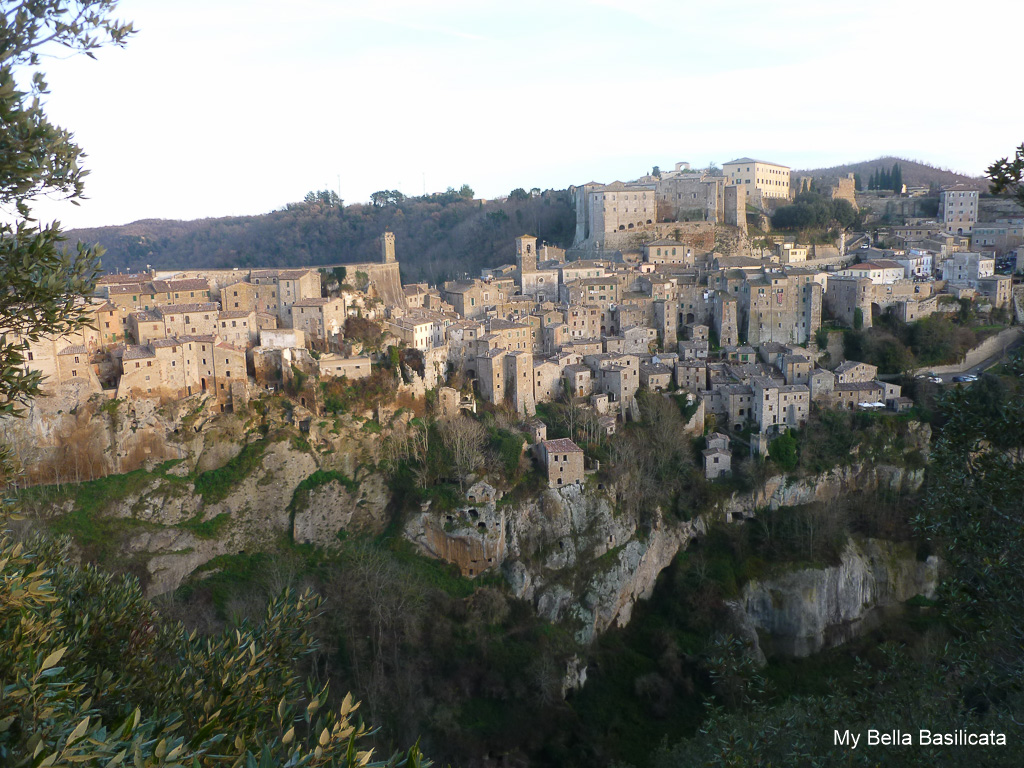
(526, 253)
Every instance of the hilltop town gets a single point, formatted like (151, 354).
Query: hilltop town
(662, 290)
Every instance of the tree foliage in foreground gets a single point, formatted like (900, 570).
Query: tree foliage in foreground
(1006, 175)
(91, 674)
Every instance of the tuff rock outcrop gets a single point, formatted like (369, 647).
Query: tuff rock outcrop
(803, 611)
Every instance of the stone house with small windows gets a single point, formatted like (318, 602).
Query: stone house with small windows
(151, 294)
(547, 380)
(144, 327)
(74, 366)
(335, 366)
(691, 375)
(471, 298)
(583, 321)
(198, 319)
(717, 456)
(322, 320)
(852, 371)
(562, 461)
(655, 377)
(169, 369)
(111, 324)
(279, 289)
(796, 369)
(821, 382)
(238, 327)
(579, 379)
(669, 252)
(140, 373)
(243, 296)
(848, 396)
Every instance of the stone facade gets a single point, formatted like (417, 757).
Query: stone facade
(562, 461)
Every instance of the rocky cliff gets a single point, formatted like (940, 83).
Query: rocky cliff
(785, 491)
(243, 481)
(804, 611)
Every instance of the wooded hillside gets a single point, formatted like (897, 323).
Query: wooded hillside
(437, 237)
(914, 173)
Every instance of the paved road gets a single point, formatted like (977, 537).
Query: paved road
(984, 365)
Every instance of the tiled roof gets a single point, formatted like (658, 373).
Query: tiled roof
(561, 445)
(189, 284)
(75, 349)
(135, 352)
(122, 279)
(170, 309)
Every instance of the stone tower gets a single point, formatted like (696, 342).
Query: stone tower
(387, 241)
(526, 253)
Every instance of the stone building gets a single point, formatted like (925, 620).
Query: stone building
(322, 320)
(198, 319)
(759, 178)
(853, 371)
(471, 298)
(547, 381)
(617, 207)
(243, 296)
(668, 252)
(238, 327)
(332, 365)
(854, 394)
(155, 293)
(717, 456)
(779, 307)
(958, 207)
(701, 197)
(562, 461)
(691, 375)
(146, 326)
(279, 289)
(655, 376)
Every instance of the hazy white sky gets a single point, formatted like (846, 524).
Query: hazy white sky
(221, 107)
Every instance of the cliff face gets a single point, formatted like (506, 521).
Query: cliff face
(568, 551)
(576, 559)
(804, 611)
(164, 523)
(783, 491)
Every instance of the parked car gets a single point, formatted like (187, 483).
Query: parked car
(966, 378)
(935, 379)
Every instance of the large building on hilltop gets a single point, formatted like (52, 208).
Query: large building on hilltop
(767, 179)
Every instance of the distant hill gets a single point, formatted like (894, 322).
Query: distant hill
(914, 173)
(437, 237)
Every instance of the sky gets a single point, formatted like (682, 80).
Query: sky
(227, 107)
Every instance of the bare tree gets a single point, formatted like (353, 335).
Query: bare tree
(465, 438)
